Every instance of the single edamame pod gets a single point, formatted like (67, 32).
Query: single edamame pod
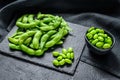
(25, 36)
(55, 39)
(13, 40)
(27, 41)
(45, 38)
(27, 50)
(39, 52)
(26, 25)
(46, 28)
(13, 46)
(25, 19)
(108, 40)
(68, 61)
(30, 18)
(40, 16)
(55, 54)
(59, 42)
(36, 39)
(55, 63)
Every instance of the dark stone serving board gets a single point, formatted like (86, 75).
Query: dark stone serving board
(75, 40)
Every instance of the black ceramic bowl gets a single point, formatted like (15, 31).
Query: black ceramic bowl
(99, 51)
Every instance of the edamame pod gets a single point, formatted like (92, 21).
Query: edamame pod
(68, 61)
(13, 46)
(25, 19)
(30, 18)
(39, 52)
(27, 50)
(56, 39)
(13, 40)
(25, 36)
(36, 39)
(45, 38)
(28, 41)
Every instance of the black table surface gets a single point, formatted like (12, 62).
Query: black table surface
(15, 69)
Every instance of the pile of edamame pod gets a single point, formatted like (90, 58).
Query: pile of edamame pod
(99, 38)
(37, 33)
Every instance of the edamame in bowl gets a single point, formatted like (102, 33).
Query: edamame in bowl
(99, 41)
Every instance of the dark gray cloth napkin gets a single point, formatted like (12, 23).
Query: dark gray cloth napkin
(111, 61)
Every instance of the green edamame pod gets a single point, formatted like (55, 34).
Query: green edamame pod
(26, 25)
(28, 41)
(93, 32)
(25, 19)
(25, 36)
(17, 34)
(46, 28)
(39, 52)
(89, 35)
(106, 46)
(47, 20)
(13, 40)
(36, 39)
(55, 39)
(59, 42)
(27, 50)
(30, 18)
(95, 41)
(45, 38)
(13, 46)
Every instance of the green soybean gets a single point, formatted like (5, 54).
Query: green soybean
(62, 62)
(64, 51)
(25, 19)
(93, 32)
(68, 61)
(68, 55)
(59, 58)
(63, 55)
(72, 55)
(89, 35)
(100, 38)
(55, 63)
(70, 50)
(30, 18)
(90, 29)
(99, 44)
(55, 54)
(95, 41)
(106, 46)
(95, 36)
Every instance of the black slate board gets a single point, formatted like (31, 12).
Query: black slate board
(75, 40)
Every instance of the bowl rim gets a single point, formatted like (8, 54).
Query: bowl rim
(108, 33)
